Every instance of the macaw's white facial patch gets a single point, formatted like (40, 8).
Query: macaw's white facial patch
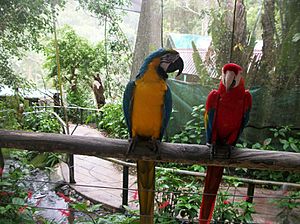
(168, 59)
(231, 80)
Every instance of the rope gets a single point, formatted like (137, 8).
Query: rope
(160, 190)
(162, 24)
(232, 33)
(106, 57)
(72, 210)
(59, 71)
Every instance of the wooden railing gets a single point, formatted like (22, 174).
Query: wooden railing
(170, 152)
(176, 153)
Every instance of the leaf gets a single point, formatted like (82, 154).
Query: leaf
(267, 141)
(4, 183)
(256, 146)
(80, 206)
(296, 37)
(18, 201)
(294, 147)
(283, 141)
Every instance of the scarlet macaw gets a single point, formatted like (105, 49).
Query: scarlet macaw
(147, 105)
(226, 114)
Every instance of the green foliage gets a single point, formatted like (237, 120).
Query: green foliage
(200, 67)
(116, 46)
(192, 14)
(14, 197)
(8, 114)
(81, 97)
(92, 210)
(81, 62)
(76, 56)
(113, 121)
(42, 122)
(282, 139)
(116, 218)
(221, 33)
(176, 197)
(232, 211)
(288, 203)
(22, 25)
(287, 66)
(193, 130)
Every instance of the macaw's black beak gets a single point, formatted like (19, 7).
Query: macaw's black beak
(176, 65)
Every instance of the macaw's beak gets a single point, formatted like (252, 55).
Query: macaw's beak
(229, 80)
(176, 65)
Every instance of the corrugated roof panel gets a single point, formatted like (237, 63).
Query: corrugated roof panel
(187, 57)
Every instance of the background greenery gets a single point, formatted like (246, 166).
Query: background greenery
(28, 26)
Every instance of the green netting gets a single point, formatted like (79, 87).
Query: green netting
(185, 96)
(270, 109)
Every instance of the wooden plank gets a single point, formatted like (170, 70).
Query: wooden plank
(178, 153)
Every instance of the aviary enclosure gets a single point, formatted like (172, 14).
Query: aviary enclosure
(63, 71)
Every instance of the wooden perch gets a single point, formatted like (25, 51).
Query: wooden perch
(178, 153)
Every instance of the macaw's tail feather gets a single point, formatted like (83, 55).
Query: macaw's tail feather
(146, 187)
(212, 181)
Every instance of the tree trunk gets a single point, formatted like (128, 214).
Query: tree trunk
(288, 65)
(268, 49)
(148, 35)
(240, 35)
(98, 91)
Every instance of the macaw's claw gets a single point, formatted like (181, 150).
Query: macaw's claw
(155, 147)
(220, 151)
(132, 144)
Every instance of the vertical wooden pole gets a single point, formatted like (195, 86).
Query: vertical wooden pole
(125, 185)
(81, 116)
(1, 163)
(250, 192)
(71, 169)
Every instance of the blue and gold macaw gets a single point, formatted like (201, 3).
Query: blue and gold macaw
(147, 106)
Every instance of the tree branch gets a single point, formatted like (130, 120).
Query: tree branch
(178, 153)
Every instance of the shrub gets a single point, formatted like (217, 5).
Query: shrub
(113, 121)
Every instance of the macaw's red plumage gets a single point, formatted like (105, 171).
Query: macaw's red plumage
(227, 113)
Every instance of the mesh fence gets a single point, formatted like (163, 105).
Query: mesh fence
(270, 109)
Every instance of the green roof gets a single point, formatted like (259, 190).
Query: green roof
(184, 41)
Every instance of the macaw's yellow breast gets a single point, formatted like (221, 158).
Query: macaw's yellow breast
(148, 107)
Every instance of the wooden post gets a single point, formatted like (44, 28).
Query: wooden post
(250, 192)
(1, 163)
(125, 185)
(71, 168)
(81, 116)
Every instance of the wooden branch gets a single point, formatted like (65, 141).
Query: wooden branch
(178, 153)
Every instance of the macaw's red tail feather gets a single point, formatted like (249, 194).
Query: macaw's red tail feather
(212, 182)
(146, 184)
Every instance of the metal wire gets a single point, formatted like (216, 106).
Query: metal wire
(161, 191)
(87, 212)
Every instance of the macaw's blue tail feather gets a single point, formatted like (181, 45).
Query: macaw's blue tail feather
(212, 182)
(146, 186)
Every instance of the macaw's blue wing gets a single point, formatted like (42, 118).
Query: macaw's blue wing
(167, 110)
(127, 104)
(209, 116)
(208, 121)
